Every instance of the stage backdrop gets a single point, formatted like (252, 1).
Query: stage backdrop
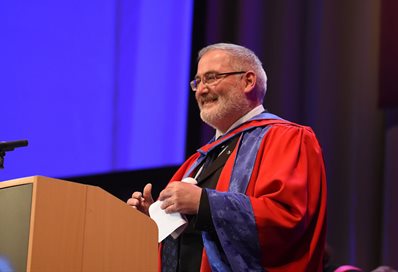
(95, 86)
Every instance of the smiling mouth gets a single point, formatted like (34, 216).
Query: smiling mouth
(208, 101)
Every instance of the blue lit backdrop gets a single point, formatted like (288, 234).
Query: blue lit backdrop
(95, 86)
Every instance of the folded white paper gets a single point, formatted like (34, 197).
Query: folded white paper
(168, 223)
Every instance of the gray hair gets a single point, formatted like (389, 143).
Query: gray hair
(242, 59)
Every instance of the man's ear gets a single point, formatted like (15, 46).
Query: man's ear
(250, 80)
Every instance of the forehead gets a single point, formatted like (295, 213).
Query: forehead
(215, 60)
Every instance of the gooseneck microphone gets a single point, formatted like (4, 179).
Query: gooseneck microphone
(9, 146)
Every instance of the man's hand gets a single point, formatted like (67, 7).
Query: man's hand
(142, 201)
(181, 197)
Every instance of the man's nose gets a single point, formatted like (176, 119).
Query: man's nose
(201, 88)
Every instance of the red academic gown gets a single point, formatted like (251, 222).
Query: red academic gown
(278, 222)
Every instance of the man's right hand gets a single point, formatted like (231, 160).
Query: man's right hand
(142, 201)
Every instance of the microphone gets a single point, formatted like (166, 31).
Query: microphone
(9, 146)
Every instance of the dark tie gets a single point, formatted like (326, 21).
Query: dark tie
(169, 255)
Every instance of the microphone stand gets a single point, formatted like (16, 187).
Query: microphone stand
(9, 146)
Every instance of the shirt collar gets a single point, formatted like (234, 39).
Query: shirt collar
(257, 110)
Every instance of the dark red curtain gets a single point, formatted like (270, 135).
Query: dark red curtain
(389, 54)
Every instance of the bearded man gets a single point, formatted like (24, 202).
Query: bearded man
(259, 202)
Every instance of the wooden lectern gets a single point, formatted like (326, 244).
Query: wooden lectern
(54, 225)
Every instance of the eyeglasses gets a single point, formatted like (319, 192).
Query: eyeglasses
(211, 78)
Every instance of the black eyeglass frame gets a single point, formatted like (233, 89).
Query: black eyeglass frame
(194, 83)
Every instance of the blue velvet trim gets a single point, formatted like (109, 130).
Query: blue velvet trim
(233, 215)
(266, 115)
(236, 230)
(245, 160)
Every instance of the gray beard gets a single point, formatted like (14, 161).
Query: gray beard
(229, 110)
